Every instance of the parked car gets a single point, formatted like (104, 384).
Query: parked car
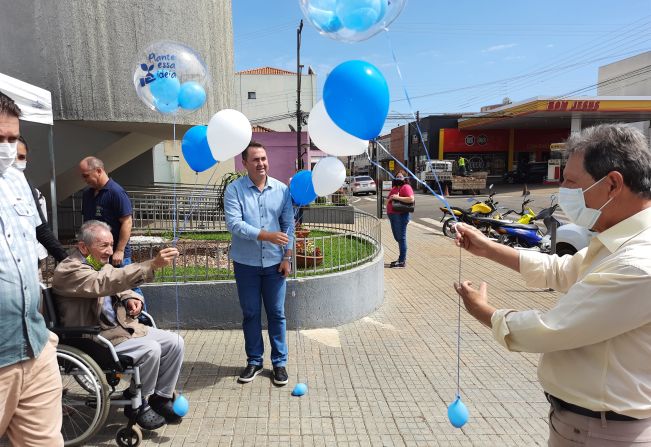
(533, 172)
(571, 238)
(360, 184)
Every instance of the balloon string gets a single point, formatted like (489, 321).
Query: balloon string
(459, 331)
(422, 141)
(194, 203)
(174, 243)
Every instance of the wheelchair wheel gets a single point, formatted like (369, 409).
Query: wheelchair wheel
(129, 436)
(85, 398)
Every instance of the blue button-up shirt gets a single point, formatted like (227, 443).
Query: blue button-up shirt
(22, 328)
(249, 210)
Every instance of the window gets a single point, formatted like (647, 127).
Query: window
(251, 95)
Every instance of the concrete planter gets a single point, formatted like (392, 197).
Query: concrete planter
(311, 302)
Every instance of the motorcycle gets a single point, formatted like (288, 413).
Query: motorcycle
(487, 208)
(520, 235)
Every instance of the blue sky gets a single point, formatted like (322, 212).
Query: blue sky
(459, 55)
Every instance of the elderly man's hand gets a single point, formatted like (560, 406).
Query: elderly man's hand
(134, 307)
(165, 257)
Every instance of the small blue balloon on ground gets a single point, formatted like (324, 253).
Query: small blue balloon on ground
(181, 406)
(299, 390)
(192, 95)
(457, 413)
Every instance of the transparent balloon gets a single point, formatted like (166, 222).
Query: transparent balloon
(171, 78)
(351, 20)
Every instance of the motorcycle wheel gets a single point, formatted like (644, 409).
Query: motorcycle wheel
(448, 228)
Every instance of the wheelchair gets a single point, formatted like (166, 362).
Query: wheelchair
(90, 371)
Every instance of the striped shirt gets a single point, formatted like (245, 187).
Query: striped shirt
(22, 329)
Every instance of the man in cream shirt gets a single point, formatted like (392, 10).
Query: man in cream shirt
(595, 342)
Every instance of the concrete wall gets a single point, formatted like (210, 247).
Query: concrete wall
(275, 97)
(323, 301)
(628, 77)
(85, 52)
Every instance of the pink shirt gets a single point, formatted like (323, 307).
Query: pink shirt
(404, 191)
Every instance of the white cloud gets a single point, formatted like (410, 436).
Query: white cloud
(549, 45)
(500, 47)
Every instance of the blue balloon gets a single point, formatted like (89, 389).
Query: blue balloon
(322, 15)
(457, 413)
(360, 15)
(192, 95)
(166, 107)
(301, 188)
(166, 87)
(356, 97)
(181, 406)
(196, 150)
(299, 390)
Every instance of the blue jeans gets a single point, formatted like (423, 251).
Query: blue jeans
(138, 290)
(257, 285)
(399, 229)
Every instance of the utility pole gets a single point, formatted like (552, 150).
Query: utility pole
(299, 113)
(378, 182)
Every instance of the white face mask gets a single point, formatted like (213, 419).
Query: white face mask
(7, 155)
(20, 164)
(572, 202)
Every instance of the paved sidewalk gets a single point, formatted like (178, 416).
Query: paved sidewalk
(385, 380)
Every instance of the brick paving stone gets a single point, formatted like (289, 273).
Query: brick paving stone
(388, 384)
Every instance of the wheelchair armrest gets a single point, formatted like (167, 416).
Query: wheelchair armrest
(146, 319)
(76, 331)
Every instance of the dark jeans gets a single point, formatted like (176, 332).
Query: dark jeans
(257, 285)
(399, 229)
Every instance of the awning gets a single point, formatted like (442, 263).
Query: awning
(34, 102)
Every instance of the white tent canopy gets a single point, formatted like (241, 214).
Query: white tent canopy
(36, 106)
(34, 102)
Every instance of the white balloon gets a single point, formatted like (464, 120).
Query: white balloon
(329, 137)
(328, 175)
(229, 133)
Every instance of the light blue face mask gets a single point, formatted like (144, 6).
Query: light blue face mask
(572, 201)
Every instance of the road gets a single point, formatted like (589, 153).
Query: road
(428, 213)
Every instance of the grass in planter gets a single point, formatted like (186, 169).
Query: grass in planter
(193, 273)
(214, 236)
(336, 251)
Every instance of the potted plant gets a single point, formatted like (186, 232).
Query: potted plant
(301, 232)
(308, 254)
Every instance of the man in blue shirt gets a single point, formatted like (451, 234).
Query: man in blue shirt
(259, 215)
(30, 383)
(105, 200)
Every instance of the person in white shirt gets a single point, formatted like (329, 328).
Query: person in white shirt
(595, 366)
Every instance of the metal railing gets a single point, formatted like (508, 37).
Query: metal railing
(346, 238)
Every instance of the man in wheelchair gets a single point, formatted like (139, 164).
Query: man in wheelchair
(89, 291)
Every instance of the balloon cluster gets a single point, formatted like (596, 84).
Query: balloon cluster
(171, 78)
(227, 134)
(326, 178)
(351, 20)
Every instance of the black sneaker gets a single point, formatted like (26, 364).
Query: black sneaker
(249, 373)
(397, 265)
(165, 407)
(280, 376)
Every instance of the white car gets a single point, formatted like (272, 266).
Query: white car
(571, 238)
(361, 184)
